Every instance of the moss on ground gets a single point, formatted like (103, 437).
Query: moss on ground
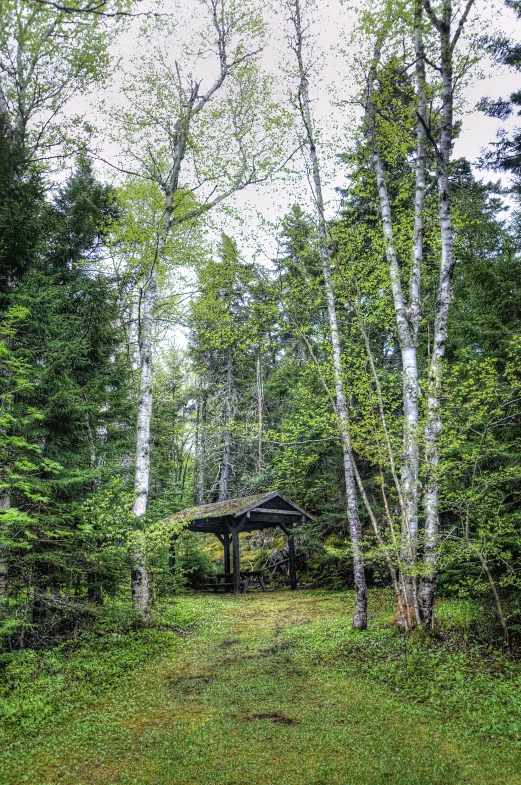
(262, 690)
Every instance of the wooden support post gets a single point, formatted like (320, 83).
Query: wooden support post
(226, 544)
(236, 560)
(292, 561)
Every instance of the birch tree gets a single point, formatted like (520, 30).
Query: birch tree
(449, 29)
(47, 57)
(298, 42)
(199, 139)
(407, 311)
(417, 604)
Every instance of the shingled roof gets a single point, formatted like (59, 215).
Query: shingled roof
(219, 509)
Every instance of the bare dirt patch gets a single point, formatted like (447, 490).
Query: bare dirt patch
(275, 718)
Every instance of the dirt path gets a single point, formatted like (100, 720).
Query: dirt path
(235, 704)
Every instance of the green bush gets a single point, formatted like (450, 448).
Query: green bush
(193, 565)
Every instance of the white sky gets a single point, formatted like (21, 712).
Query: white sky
(332, 26)
(259, 208)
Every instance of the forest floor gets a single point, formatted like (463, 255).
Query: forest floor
(253, 690)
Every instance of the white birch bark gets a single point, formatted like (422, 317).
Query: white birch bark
(260, 407)
(145, 395)
(139, 578)
(355, 529)
(433, 421)
(407, 315)
(421, 165)
(202, 449)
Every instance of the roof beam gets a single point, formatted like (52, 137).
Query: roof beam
(275, 512)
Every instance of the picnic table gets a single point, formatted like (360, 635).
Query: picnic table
(224, 581)
(252, 577)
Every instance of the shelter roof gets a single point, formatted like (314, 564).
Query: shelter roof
(256, 512)
(217, 510)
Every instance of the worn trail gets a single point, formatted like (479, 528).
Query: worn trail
(238, 703)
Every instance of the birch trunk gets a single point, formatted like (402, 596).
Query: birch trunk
(260, 406)
(355, 529)
(140, 585)
(145, 397)
(410, 457)
(225, 473)
(202, 450)
(433, 420)
(421, 166)
(407, 315)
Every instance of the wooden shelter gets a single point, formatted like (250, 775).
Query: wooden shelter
(251, 513)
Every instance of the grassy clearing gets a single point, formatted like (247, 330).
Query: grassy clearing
(263, 689)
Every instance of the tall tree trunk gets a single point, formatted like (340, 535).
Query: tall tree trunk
(225, 472)
(421, 167)
(433, 419)
(260, 407)
(145, 396)
(202, 447)
(140, 585)
(355, 529)
(407, 315)
(409, 468)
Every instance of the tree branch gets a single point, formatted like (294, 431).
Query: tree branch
(461, 24)
(94, 9)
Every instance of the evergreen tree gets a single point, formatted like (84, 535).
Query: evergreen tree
(67, 402)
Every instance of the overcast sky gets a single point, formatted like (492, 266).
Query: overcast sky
(331, 82)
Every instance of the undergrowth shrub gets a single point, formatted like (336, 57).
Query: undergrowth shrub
(40, 688)
(193, 565)
(454, 674)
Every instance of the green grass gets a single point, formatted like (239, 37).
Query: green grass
(270, 689)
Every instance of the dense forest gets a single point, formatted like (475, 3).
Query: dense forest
(368, 368)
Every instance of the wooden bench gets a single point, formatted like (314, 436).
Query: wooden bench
(218, 585)
(224, 581)
(252, 577)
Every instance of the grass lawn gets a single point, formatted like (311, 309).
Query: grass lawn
(265, 689)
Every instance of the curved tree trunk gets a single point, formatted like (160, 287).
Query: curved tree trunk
(342, 411)
(407, 315)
